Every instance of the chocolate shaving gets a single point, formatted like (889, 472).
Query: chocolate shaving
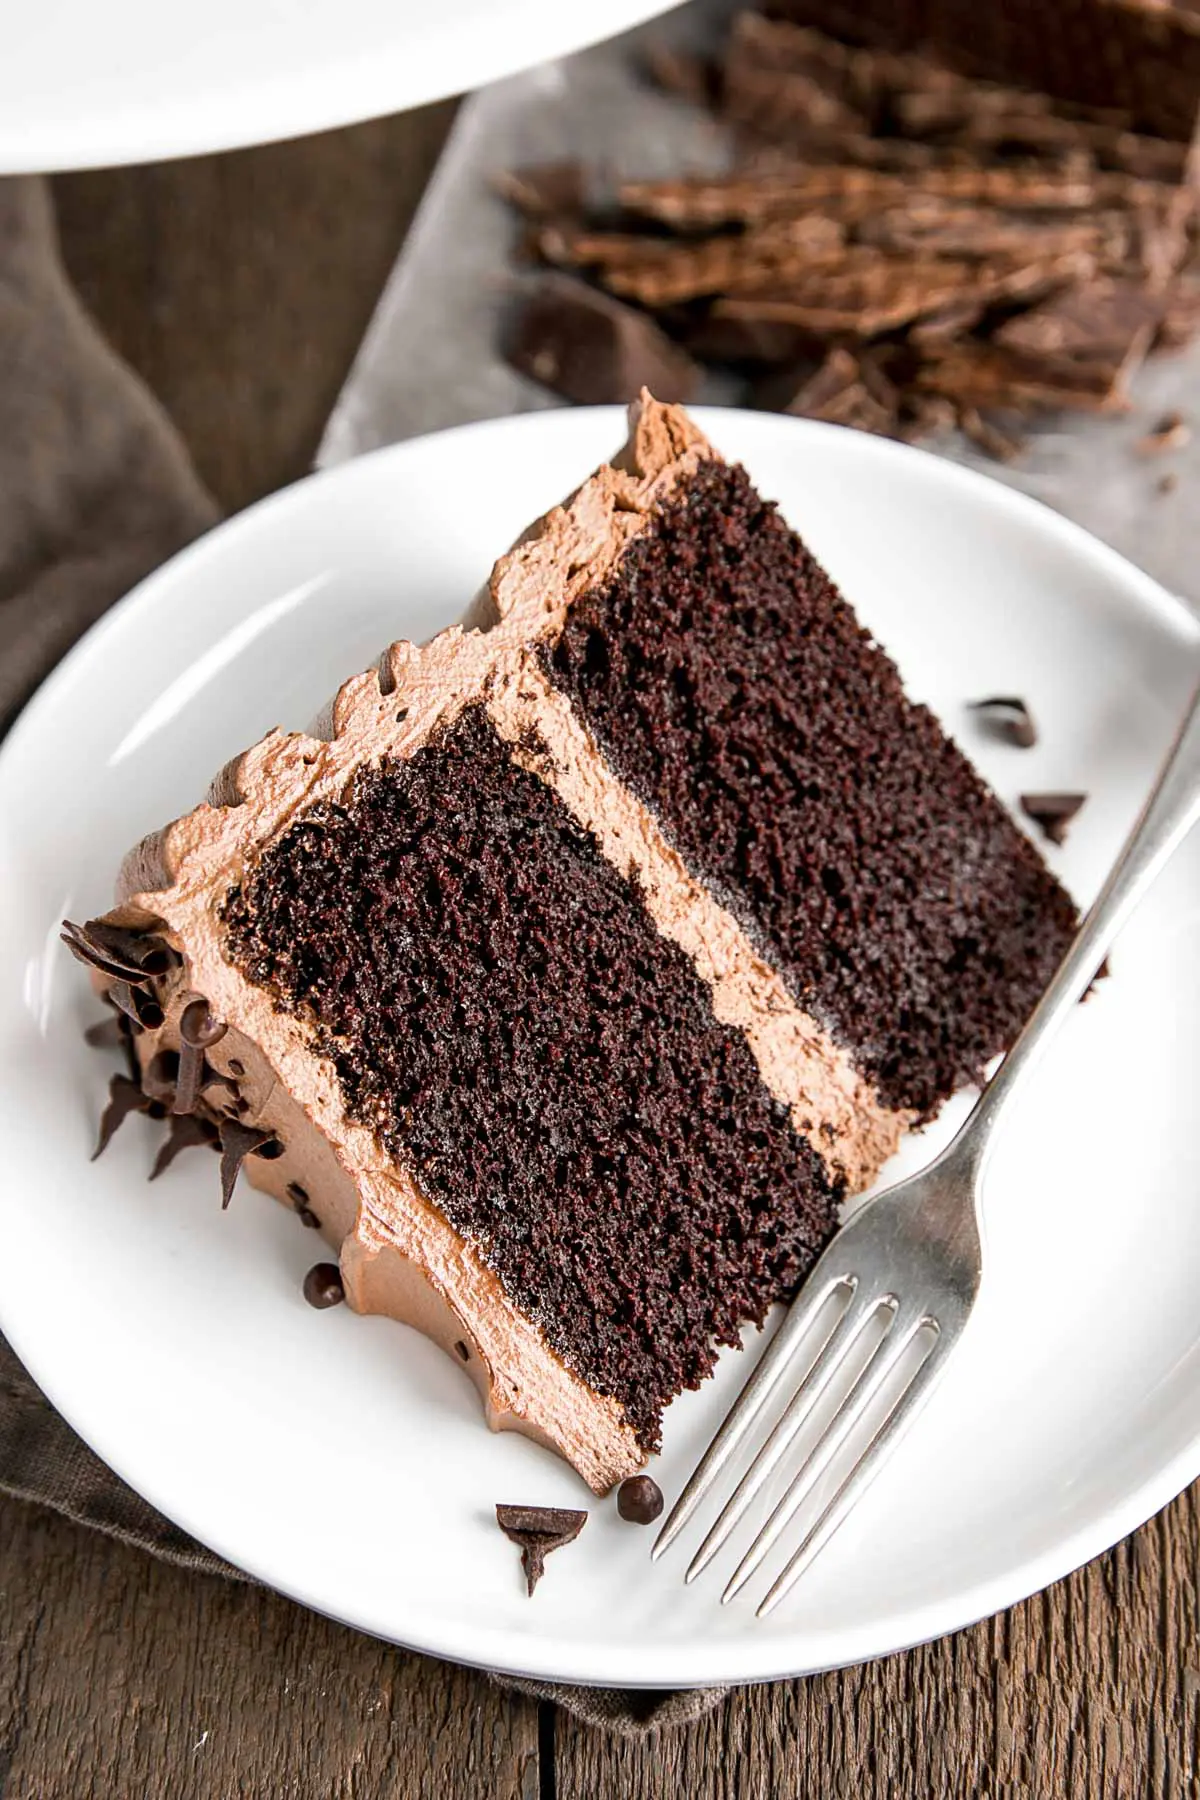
(1028, 252)
(592, 349)
(689, 77)
(544, 190)
(1099, 319)
(1053, 812)
(1009, 717)
(1171, 433)
(186, 1132)
(105, 948)
(191, 1068)
(125, 1096)
(304, 1212)
(537, 1530)
(237, 1142)
(161, 1075)
(659, 272)
(987, 375)
(106, 1034)
(1000, 445)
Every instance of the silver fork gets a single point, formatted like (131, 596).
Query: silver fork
(906, 1269)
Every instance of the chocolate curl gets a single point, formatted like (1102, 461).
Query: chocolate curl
(198, 1030)
(132, 956)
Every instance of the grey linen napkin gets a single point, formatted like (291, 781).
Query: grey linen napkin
(95, 491)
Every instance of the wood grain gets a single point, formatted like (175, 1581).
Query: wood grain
(240, 286)
(122, 1678)
(1086, 1692)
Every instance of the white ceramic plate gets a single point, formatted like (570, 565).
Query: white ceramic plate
(344, 1460)
(84, 86)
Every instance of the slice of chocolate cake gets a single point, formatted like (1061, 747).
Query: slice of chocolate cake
(582, 960)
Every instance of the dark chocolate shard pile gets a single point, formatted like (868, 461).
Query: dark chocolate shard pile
(900, 246)
(536, 1531)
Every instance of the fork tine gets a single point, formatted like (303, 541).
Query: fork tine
(750, 1402)
(846, 1333)
(882, 1364)
(858, 1479)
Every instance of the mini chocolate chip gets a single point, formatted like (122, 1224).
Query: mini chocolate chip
(236, 1067)
(1053, 812)
(639, 1500)
(1010, 717)
(197, 1026)
(461, 1350)
(537, 1530)
(304, 1212)
(109, 948)
(271, 1151)
(323, 1286)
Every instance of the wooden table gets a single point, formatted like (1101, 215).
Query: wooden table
(240, 287)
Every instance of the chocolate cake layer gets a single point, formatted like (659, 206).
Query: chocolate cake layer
(501, 1009)
(732, 688)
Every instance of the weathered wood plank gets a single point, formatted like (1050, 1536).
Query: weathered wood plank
(121, 1676)
(1086, 1692)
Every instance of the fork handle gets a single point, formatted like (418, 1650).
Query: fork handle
(1165, 820)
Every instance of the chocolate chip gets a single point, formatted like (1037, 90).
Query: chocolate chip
(1010, 718)
(536, 1531)
(1053, 812)
(124, 1097)
(186, 1132)
(304, 1212)
(323, 1286)
(237, 1141)
(639, 1500)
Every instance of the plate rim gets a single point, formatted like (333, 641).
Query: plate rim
(359, 86)
(545, 1657)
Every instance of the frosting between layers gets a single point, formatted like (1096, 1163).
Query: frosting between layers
(399, 1255)
(830, 1103)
